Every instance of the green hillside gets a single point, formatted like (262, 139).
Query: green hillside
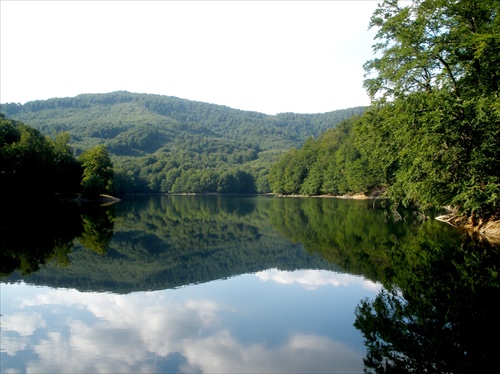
(166, 144)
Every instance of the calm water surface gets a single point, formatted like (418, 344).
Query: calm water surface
(205, 284)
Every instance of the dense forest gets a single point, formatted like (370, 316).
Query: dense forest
(162, 144)
(431, 137)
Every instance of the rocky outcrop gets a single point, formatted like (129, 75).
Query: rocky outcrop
(487, 229)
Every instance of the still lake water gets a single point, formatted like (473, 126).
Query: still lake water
(214, 284)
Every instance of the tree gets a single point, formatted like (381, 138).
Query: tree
(97, 172)
(277, 177)
(435, 123)
(68, 173)
(433, 45)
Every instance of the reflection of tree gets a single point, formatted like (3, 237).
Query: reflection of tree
(34, 234)
(98, 223)
(436, 313)
(37, 233)
(439, 314)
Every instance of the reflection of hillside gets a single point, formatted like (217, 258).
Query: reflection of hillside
(192, 223)
(170, 241)
(164, 242)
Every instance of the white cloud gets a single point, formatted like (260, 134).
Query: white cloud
(87, 353)
(11, 371)
(12, 345)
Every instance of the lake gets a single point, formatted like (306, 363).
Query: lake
(243, 284)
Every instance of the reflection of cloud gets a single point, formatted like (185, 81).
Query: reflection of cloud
(88, 350)
(12, 345)
(312, 279)
(24, 324)
(160, 323)
(128, 330)
(300, 354)
(11, 371)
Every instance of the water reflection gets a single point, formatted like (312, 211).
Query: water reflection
(167, 242)
(204, 328)
(249, 284)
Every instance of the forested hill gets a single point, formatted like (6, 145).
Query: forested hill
(155, 139)
(107, 115)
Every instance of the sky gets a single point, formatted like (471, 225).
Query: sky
(264, 56)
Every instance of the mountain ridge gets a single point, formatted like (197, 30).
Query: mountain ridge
(57, 99)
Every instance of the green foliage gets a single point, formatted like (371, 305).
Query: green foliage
(333, 164)
(435, 123)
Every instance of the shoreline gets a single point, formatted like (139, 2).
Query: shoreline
(347, 197)
(372, 195)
